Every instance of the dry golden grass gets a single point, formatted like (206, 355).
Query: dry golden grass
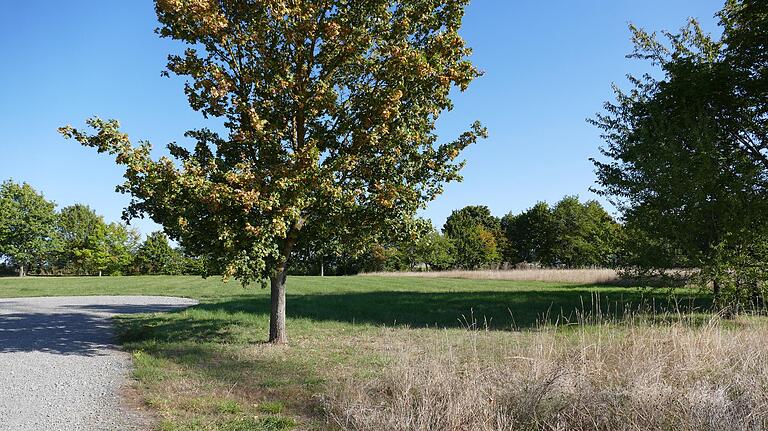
(581, 276)
(635, 376)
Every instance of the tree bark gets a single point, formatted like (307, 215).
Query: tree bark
(21, 270)
(277, 331)
(322, 267)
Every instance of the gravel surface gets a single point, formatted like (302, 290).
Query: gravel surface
(59, 366)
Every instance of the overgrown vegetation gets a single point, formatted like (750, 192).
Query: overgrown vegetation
(637, 375)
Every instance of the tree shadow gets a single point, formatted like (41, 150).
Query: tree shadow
(59, 333)
(518, 309)
(115, 309)
(68, 329)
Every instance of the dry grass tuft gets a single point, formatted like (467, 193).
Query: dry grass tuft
(582, 276)
(605, 377)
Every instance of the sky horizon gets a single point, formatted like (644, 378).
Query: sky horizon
(548, 67)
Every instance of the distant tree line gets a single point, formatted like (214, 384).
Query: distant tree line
(35, 238)
(570, 234)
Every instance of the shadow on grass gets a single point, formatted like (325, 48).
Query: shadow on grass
(496, 310)
(225, 371)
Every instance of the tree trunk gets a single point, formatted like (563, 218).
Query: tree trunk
(277, 331)
(758, 301)
(99, 273)
(21, 270)
(322, 267)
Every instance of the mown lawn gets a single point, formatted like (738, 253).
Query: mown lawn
(207, 368)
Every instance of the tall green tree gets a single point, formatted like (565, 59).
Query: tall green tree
(531, 234)
(119, 246)
(88, 245)
(475, 247)
(572, 234)
(584, 234)
(331, 108)
(685, 154)
(435, 250)
(477, 236)
(156, 256)
(472, 215)
(82, 233)
(27, 223)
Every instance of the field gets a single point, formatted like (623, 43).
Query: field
(406, 353)
(581, 276)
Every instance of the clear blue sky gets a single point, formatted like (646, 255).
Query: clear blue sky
(548, 66)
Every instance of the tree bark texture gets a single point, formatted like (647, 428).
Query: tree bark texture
(277, 331)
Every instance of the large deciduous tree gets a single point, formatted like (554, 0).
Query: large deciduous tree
(531, 234)
(331, 108)
(156, 256)
(27, 223)
(572, 234)
(685, 155)
(476, 235)
(82, 233)
(584, 234)
(91, 246)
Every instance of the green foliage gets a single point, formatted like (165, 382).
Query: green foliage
(475, 247)
(27, 223)
(476, 235)
(685, 155)
(470, 216)
(120, 244)
(330, 110)
(90, 246)
(585, 234)
(436, 251)
(156, 256)
(531, 234)
(571, 234)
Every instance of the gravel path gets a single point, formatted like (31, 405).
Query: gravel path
(59, 366)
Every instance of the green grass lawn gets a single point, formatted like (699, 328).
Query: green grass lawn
(207, 368)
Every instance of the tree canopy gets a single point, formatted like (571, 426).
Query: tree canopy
(685, 155)
(571, 234)
(89, 245)
(331, 107)
(27, 222)
(476, 236)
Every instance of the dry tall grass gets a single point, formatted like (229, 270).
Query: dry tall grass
(637, 376)
(583, 276)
